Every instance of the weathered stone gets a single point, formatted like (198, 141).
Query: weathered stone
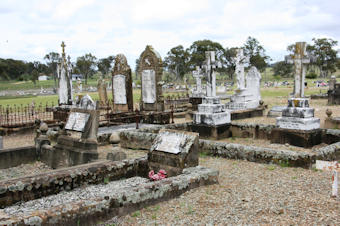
(102, 92)
(116, 156)
(173, 151)
(64, 69)
(122, 85)
(114, 138)
(150, 69)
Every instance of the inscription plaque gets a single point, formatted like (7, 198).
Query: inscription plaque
(171, 143)
(119, 89)
(149, 86)
(77, 121)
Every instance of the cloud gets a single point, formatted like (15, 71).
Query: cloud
(30, 29)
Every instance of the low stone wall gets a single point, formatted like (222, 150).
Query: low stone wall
(248, 130)
(117, 200)
(53, 182)
(13, 157)
(257, 154)
(142, 140)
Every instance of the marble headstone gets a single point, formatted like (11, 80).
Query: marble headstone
(122, 85)
(150, 70)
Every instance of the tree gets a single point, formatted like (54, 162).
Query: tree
(256, 53)
(34, 76)
(52, 60)
(283, 69)
(196, 52)
(230, 54)
(176, 61)
(86, 65)
(105, 65)
(325, 55)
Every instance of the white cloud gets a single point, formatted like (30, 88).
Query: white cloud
(30, 29)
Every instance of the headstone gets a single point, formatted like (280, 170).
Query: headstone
(333, 91)
(79, 86)
(102, 93)
(332, 83)
(77, 143)
(64, 69)
(240, 60)
(249, 96)
(298, 115)
(150, 69)
(334, 167)
(122, 85)
(198, 74)
(1, 143)
(173, 150)
(211, 113)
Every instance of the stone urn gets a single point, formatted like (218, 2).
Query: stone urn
(329, 112)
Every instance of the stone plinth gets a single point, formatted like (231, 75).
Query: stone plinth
(334, 95)
(211, 112)
(173, 151)
(296, 137)
(210, 131)
(298, 116)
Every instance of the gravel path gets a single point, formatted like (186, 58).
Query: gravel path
(248, 193)
(23, 170)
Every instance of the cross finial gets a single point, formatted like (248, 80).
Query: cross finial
(63, 48)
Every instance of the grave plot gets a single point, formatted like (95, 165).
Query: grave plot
(86, 193)
(250, 142)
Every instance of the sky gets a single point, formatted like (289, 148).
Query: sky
(31, 29)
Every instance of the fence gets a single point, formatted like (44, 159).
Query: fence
(21, 115)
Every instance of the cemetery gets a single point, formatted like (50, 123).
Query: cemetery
(101, 160)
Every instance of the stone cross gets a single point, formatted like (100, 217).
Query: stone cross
(300, 61)
(209, 66)
(63, 48)
(198, 75)
(240, 60)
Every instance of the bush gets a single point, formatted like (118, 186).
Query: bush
(311, 75)
(24, 77)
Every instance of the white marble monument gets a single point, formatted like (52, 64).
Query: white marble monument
(211, 111)
(247, 94)
(198, 75)
(149, 86)
(298, 115)
(64, 69)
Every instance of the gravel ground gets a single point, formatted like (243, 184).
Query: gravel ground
(248, 193)
(23, 170)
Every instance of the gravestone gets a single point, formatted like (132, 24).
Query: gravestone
(247, 95)
(298, 115)
(333, 92)
(211, 119)
(64, 69)
(297, 125)
(150, 69)
(122, 85)
(198, 75)
(102, 93)
(79, 86)
(334, 167)
(1, 143)
(77, 144)
(173, 151)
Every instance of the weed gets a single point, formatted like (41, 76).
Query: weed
(156, 208)
(284, 163)
(271, 167)
(154, 217)
(294, 177)
(106, 180)
(135, 214)
(203, 154)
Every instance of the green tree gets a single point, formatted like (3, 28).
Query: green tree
(322, 50)
(52, 60)
(196, 52)
(230, 54)
(105, 65)
(257, 54)
(283, 69)
(34, 76)
(176, 61)
(85, 65)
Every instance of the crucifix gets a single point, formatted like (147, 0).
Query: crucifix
(240, 60)
(209, 66)
(300, 61)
